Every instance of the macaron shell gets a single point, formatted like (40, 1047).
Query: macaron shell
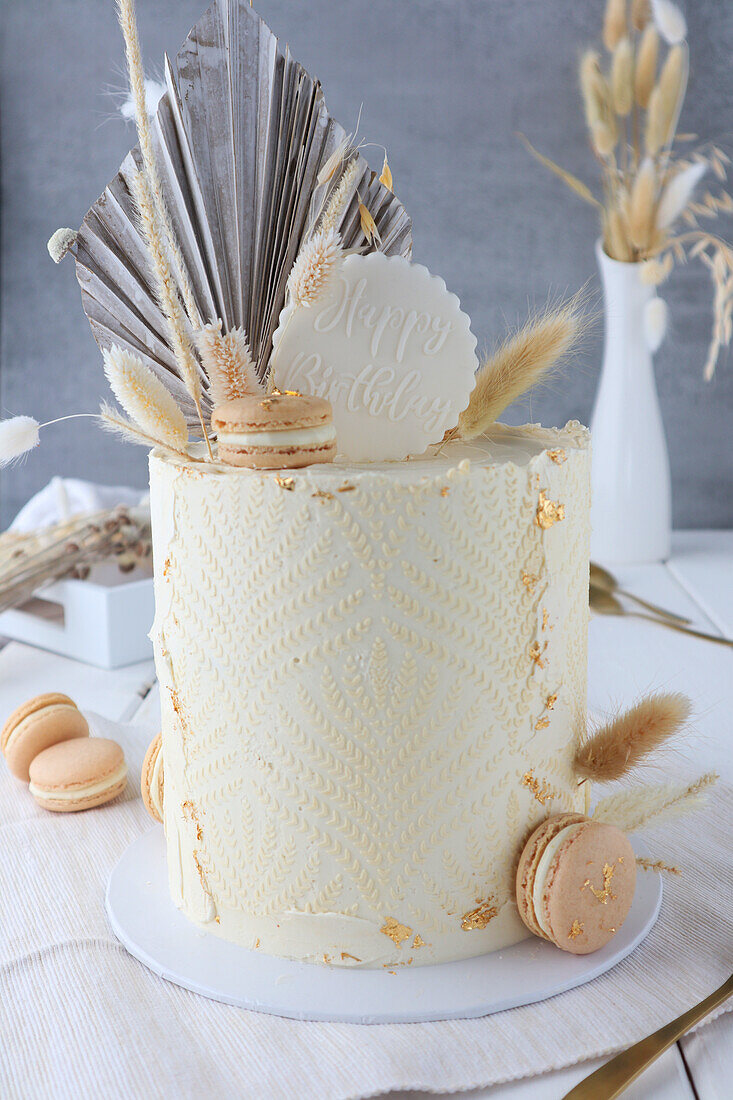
(79, 774)
(146, 778)
(590, 888)
(278, 412)
(40, 727)
(270, 458)
(529, 861)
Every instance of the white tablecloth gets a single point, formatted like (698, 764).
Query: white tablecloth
(80, 1018)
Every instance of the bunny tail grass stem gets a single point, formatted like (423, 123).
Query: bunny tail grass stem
(114, 422)
(519, 362)
(168, 297)
(128, 25)
(621, 745)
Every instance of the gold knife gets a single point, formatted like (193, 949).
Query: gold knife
(611, 1080)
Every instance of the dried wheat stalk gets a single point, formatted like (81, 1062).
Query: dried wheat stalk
(647, 807)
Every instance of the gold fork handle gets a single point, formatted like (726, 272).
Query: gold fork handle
(611, 1080)
(653, 607)
(716, 638)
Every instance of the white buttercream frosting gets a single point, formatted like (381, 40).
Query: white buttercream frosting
(358, 673)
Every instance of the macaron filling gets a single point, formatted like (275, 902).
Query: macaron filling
(289, 437)
(543, 871)
(88, 790)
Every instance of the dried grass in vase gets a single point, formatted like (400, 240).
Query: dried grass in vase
(632, 99)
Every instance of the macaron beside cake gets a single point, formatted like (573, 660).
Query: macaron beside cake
(77, 775)
(151, 779)
(282, 431)
(36, 725)
(575, 882)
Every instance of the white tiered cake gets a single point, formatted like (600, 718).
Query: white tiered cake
(373, 682)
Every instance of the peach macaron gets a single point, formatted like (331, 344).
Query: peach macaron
(282, 431)
(78, 774)
(151, 780)
(36, 725)
(575, 882)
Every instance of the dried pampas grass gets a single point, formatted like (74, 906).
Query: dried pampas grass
(145, 399)
(645, 74)
(621, 745)
(521, 361)
(614, 23)
(647, 807)
(622, 77)
(314, 266)
(670, 21)
(678, 192)
(228, 363)
(642, 205)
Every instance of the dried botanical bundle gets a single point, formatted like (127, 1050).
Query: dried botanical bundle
(520, 362)
(631, 111)
(647, 807)
(228, 363)
(28, 562)
(624, 743)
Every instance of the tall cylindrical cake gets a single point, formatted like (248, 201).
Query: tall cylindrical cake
(373, 682)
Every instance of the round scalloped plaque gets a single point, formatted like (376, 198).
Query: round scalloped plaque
(389, 346)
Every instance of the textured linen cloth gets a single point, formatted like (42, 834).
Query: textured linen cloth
(79, 1017)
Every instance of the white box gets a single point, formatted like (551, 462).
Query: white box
(103, 620)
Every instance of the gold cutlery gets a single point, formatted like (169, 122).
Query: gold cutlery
(611, 1080)
(606, 604)
(604, 581)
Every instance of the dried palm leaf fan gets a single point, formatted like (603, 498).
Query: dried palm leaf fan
(248, 160)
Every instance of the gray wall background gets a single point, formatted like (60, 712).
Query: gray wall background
(445, 85)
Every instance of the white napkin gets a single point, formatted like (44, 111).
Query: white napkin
(65, 497)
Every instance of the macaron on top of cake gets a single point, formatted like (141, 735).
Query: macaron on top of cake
(79, 774)
(575, 882)
(41, 722)
(281, 431)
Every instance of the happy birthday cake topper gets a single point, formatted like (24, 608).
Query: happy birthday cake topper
(388, 345)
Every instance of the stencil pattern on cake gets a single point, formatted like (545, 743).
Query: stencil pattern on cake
(358, 694)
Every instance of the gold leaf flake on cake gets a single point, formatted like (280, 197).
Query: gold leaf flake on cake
(557, 456)
(576, 929)
(530, 580)
(479, 917)
(536, 653)
(287, 483)
(545, 618)
(542, 723)
(602, 895)
(397, 932)
(542, 791)
(551, 700)
(548, 512)
(345, 955)
(321, 494)
(418, 941)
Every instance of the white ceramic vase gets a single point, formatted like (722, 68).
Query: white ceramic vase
(631, 502)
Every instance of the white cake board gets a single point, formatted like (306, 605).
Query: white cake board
(146, 921)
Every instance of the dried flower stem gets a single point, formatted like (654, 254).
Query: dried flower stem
(128, 25)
